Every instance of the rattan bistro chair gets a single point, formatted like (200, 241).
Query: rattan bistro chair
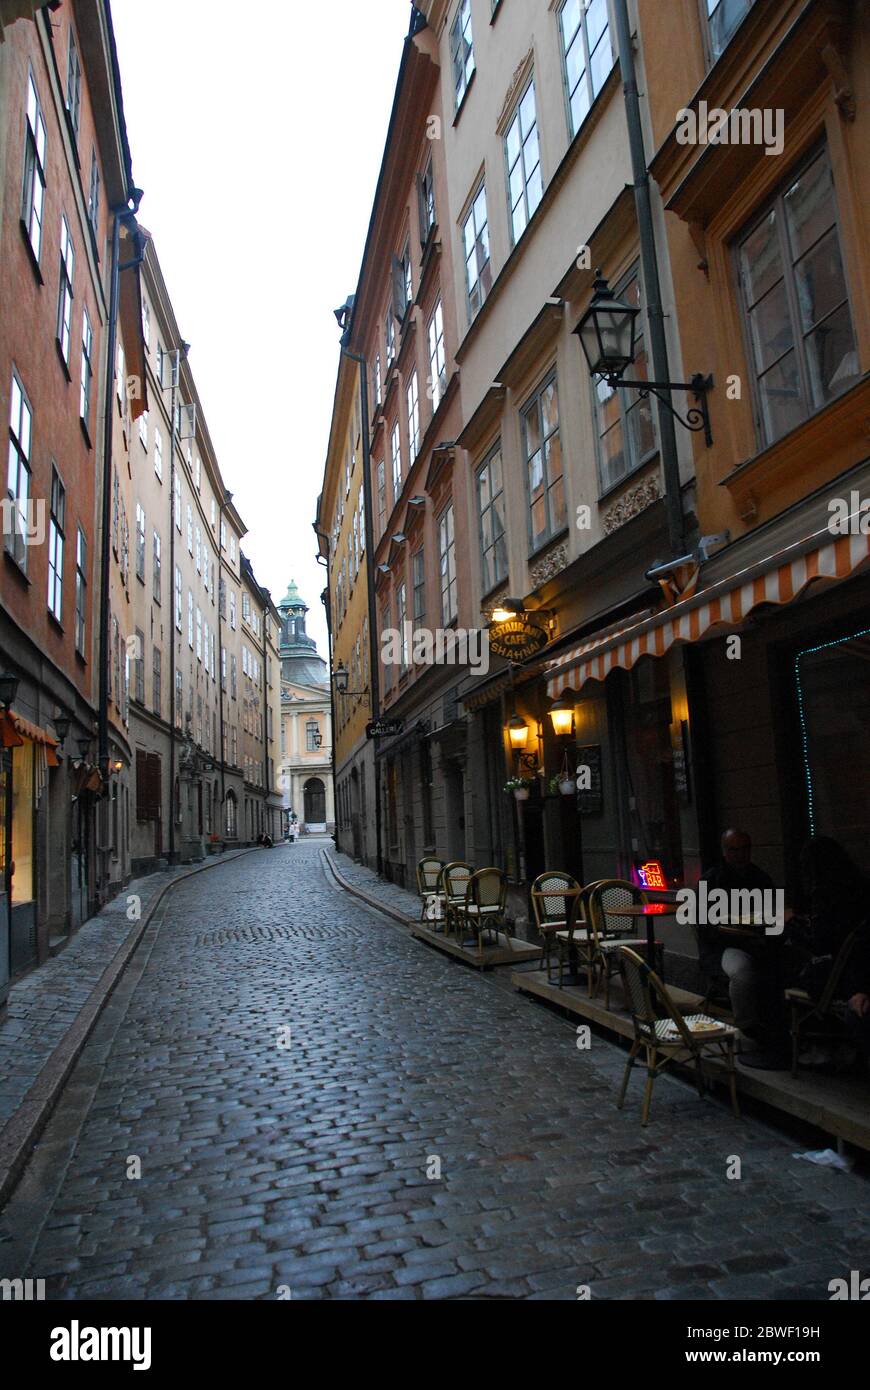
(814, 1020)
(550, 903)
(485, 903)
(609, 933)
(454, 881)
(429, 887)
(666, 1035)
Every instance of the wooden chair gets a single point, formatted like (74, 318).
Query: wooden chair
(549, 895)
(429, 886)
(813, 1020)
(666, 1035)
(454, 881)
(485, 904)
(610, 933)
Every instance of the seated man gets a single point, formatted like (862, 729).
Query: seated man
(750, 963)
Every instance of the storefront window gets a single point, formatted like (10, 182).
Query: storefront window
(22, 823)
(834, 738)
(649, 769)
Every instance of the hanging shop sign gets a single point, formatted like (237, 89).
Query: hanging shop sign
(517, 639)
(384, 728)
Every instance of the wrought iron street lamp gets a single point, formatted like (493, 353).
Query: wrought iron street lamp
(562, 718)
(61, 722)
(607, 335)
(8, 689)
(341, 677)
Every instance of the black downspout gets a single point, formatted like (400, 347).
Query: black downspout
(651, 282)
(325, 599)
(222, 594)
(370, 584)
(266, 819)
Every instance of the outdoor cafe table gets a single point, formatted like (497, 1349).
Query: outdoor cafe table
(649, 912)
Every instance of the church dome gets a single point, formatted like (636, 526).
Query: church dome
(300, 662)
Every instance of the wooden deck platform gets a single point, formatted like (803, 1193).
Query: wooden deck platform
(839, 1106)
(492, 955)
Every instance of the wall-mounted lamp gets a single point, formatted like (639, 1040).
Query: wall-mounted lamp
(341, 677)
(505, 609)
(518, 733)
(61, 722)
(8, 689)
(607, 337)
(562, 717)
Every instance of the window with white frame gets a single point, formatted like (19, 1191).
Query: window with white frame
(73, 85)
(33, 194)
(190, 618)
(199, 634)
(178, 599)
(382, 499)
(461, 51)
(475, 236)
(401, 619)
(390, 336)
(140, 542)
(626, 433)
(56, 529)
(588, 55)
(143, 429)
(362, 522)
(15, 530)
(377, 378)
(198, 551)
(177, 504)
(413, 395)
(65, 290)
(87, 367)
(489, 488)
(146, 323)
(233, 609)
(81, 590)
(120, 375)
(396, 461)
(542, 450)
(418, 588)
(722, 18)
(523, 157)
(157, 555)
(447, 566)
(437, 361)
(427, 202)
(94, 195)
(189, 529)
(158, 451)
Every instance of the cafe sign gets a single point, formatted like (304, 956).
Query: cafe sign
(517, 639)
(384, 728)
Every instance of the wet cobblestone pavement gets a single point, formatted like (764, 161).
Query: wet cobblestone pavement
(323, 1107)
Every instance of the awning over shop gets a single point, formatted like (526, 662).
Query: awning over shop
(778, 579)
(14, 729)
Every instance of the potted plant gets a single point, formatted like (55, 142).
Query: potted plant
(563, 780)
(520, 786)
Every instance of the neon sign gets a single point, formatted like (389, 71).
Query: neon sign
(651, 875)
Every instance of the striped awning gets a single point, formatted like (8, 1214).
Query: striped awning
(778, 579)
(14, 729)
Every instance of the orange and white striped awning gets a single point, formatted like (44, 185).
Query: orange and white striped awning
(778, 579)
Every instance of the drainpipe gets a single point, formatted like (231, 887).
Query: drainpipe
(265, 725)
(125, 213)
(180, 355)
(222, 591)
(651, 282)
(374, 674)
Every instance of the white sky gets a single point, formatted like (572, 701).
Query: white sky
(258, 144)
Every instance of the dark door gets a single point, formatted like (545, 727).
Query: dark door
(314, 802)
(5, 860)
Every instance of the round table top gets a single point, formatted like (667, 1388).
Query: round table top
(643, 910)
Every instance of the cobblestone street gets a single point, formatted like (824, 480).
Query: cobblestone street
(314, 1166)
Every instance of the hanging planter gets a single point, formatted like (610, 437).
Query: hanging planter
(520, 786)
(563, 781)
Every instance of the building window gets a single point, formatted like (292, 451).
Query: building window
(65, 290)
(478, 271)
(198, 551)
(490, 510)
(140, 542)
(94, 196)
(87, 367)
(401, 619)
(55, 546)
(437, 361)
(190, 618)
(626, 432)
(312, 730)
(177, 504)
(382, 500)
(396, 459)
(447, 566)
(139, 667)
(179, 699)
(146, 323)
(158, 451)
(390, 335)
(178, 600)
(120, 375)
(189, 529)
(73, 86)
(588, 55)
(156, 682)
(15, 528)
(796, 304)
(33, 198)
(523, 155)
(414, 416)
(723, 17)
(199, 634)
(427, 203)
(81, 589)
(233, 609)
(156, 578)
(462, 51)
(542, 451)
(234, 677)
(386, 623)
(377, 378)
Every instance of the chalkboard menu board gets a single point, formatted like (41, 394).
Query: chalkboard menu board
(590, 800)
